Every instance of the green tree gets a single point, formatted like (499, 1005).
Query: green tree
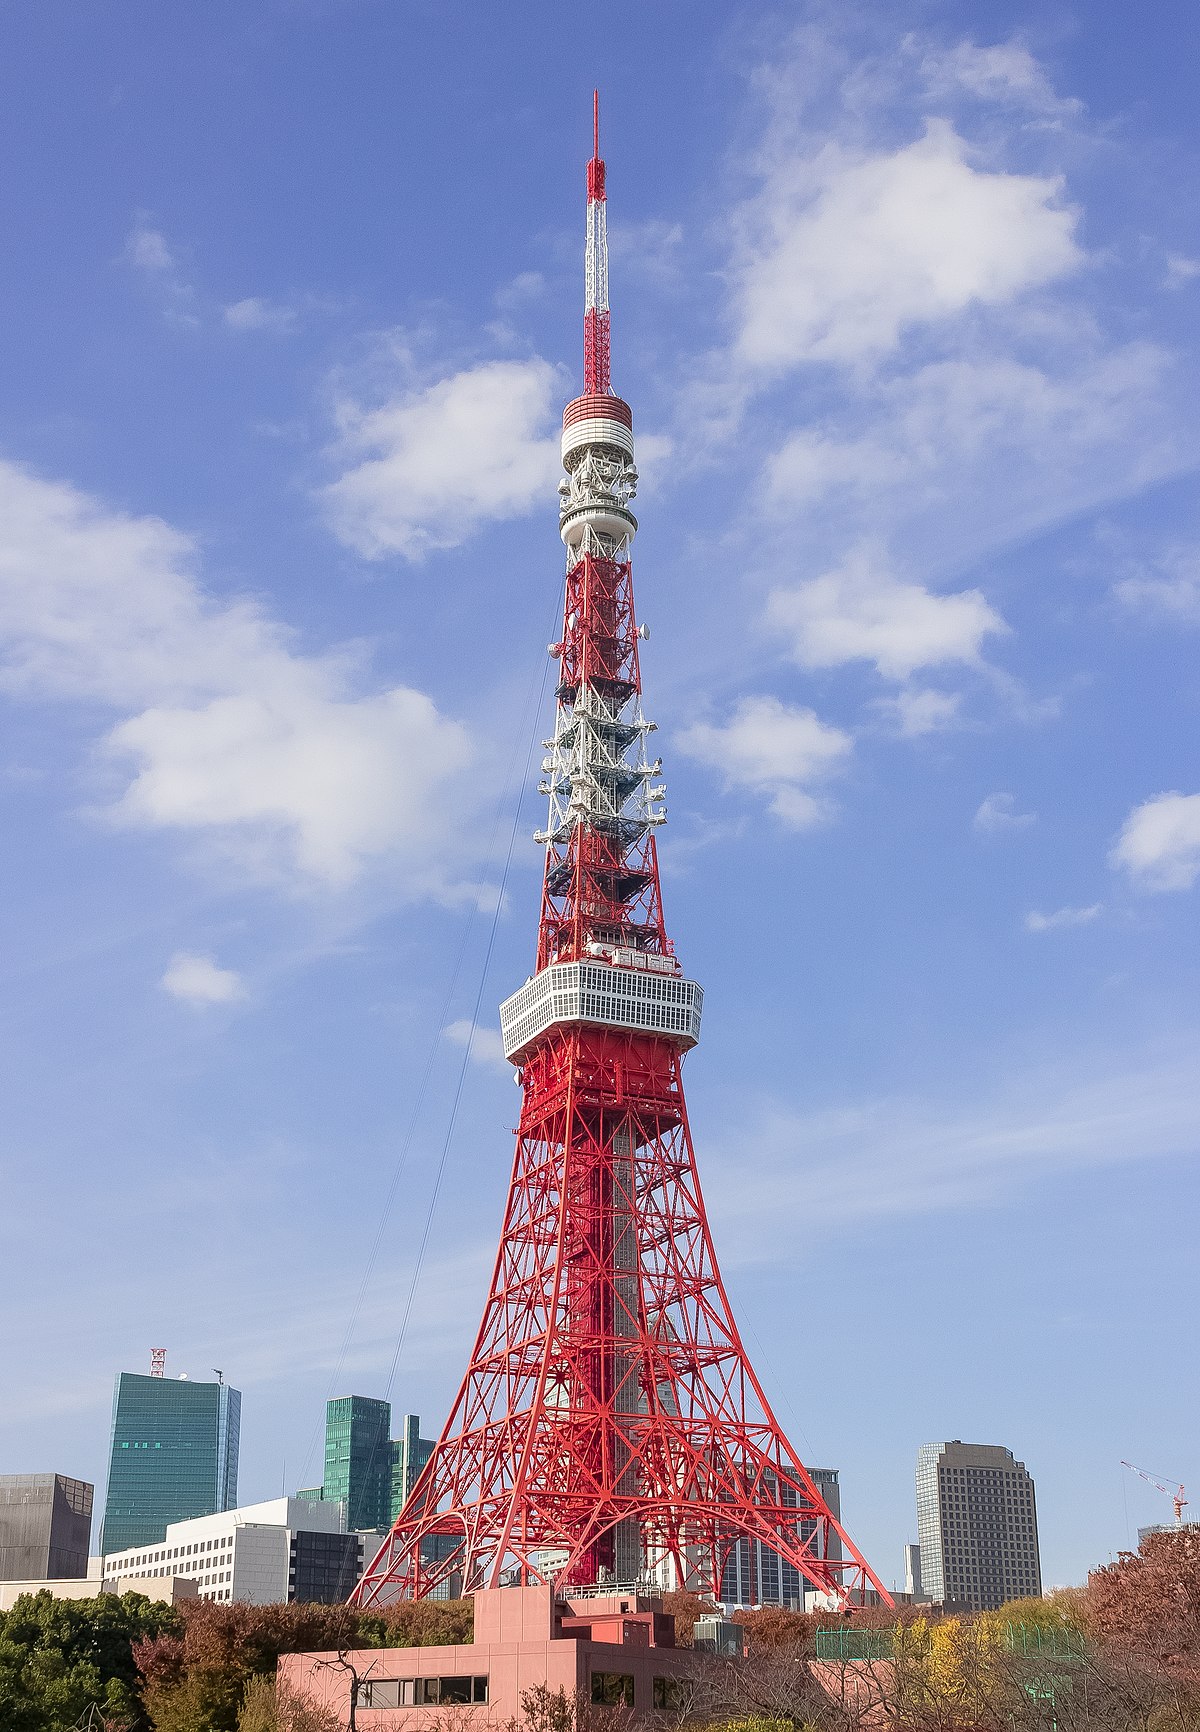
(61, 1659)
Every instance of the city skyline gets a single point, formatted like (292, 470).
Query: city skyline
(265, 737)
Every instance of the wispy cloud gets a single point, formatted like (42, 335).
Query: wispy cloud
(148, 251)
(906, 1156)
(1062, 917)
(485, 1044)
(997, 814)
(199, 980)
(921, 710)
(1165, 588)
(278, 318)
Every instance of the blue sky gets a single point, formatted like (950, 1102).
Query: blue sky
(905, 301)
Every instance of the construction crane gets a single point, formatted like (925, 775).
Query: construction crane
(1174, 1492)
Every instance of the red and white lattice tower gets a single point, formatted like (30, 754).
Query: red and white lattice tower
(610, 1428)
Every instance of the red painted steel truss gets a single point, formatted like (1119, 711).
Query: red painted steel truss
(610, 1427)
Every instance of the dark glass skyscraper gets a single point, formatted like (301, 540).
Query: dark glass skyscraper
(174, 1454)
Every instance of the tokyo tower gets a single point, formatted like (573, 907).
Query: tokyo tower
(610, 1430)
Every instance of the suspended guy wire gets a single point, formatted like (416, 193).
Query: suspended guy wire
(398, 1171)
(466, 1058)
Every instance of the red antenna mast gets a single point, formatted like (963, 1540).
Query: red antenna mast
(596, 378)
(158, 1362)
(610, 1430)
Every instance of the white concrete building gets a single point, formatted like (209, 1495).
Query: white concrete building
(265, 1553)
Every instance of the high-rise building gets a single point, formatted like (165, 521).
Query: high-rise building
(45, 1526)
(174, 1454)
(358, 1459)
(264, 1554)
(410, 1452)
(976, 1525)
(755, 1575)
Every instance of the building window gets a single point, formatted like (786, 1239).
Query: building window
(669, 1693)
(612, 1689)
(415, 1692)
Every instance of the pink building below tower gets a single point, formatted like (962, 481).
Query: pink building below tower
(612, 1651)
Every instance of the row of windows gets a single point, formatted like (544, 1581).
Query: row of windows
(416, 1692)
(615, 1690)
(199, 1548)
(572, 992)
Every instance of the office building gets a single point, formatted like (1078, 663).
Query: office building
(754, 1575)
(365, 1468)
(976, 1525)
(410, 1452)
(358, 1459)
(288, 1548)
(45, 1526)
(174, 1455)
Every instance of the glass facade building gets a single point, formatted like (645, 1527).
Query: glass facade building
(358, 1459)
(410, 1452)
(174, 1454)
(976, 1525)
(366, 1468)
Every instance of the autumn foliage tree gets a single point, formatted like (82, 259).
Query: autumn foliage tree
(195, 1677)
(1146, 1606)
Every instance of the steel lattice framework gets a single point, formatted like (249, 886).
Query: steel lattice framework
(610, 1428)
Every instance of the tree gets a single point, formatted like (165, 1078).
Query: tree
(1146, 1606)
(196, 1676)
(62, 1661)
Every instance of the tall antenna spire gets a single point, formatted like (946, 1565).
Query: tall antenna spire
(596, 375)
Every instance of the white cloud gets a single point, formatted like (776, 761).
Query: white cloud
(430, 466)
(257, 314)
(849, 250)
(147, 248)
(1062, 917)
(1159, 844)
(1059, 435)
(860, 612)
(774, 748)
(227, 731)
(199, 980)
(921, 711)
(486, 1046)
(997, 814)
(1169, 588)
(520, 290)
(1181, 270)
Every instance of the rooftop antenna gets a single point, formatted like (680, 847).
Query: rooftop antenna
(219, 1375)
(158, 1362)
